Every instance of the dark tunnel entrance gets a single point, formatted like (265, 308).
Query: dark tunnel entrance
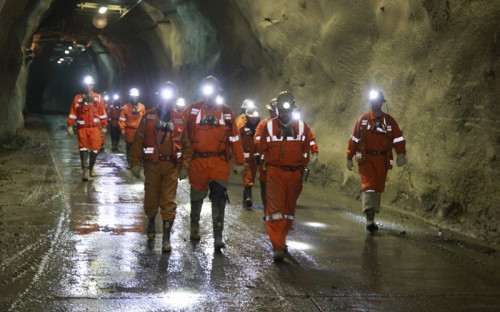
(66, 47)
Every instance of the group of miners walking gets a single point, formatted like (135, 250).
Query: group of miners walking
(201, 141)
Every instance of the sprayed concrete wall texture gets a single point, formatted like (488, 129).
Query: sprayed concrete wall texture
(436, 62)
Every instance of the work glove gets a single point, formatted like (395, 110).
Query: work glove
(401, 160)
(70, 131)
(349, 164)
(314, 159)
(104, 130)
(256, 158)
(238, 169)
(183, 173)
(136, 171)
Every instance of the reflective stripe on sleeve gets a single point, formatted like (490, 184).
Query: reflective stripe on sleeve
(103, 116)
(81, 122)
(312, 143)
(256, 138)
(355, 139)
(234, 138)
(123, 119)
(246, 155)
(396, 140)
(72, 116)
(179, 155)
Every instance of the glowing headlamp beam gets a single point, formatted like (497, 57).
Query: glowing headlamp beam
(167, 94)
(208, 90)
(374, 95)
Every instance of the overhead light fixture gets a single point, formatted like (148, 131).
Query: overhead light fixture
(66, 52)
(70, 48)
(103, 9)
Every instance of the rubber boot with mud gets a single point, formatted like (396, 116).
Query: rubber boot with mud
(263, 196)
(165, 243)
(371, 226)
(195, 219)
(247, 197)
(218, 243)
(84, 158)
(278, 255)
(93, 157)
(150, 231)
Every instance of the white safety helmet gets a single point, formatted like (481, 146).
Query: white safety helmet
(134, 92)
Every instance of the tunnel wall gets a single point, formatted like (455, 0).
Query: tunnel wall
(435, 61)
(18, 20)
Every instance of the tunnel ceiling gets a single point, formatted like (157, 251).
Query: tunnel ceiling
(436, 62)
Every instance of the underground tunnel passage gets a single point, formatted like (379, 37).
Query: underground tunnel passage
(71, 245)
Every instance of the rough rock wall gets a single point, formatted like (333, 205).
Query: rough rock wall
(436, 62)
(17, 20)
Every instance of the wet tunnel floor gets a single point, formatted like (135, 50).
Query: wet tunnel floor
(67, 245)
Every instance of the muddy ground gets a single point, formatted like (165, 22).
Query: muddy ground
(66, 245)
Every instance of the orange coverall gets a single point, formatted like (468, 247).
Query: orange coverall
(286, 153)
(164, 153)
(90, 116)
(257, 136)
(130, 117)
(371, 142)
(212, 144)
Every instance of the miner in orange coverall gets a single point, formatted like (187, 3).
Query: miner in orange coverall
(114, 118)
(271, 107)
(247, 132)
(130, 117)
(214, 138)
(161, 141)
(375, 135)
(88, 111)
(284, 146)
(241, 120)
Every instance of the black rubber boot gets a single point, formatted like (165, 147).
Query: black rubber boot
(150, 231)
(263, 194)
(93, 157)
(218, 197)
(247, 196)
(128, 148)
(84, 158)
(371, 226)
(165, 243)
(263, 197)
(218, 243)
(195, 219)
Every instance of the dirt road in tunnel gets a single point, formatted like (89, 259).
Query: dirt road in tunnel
(68, 245)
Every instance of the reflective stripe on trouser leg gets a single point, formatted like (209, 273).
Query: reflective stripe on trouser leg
(152, 180)
(282, 189)
(168, 189)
